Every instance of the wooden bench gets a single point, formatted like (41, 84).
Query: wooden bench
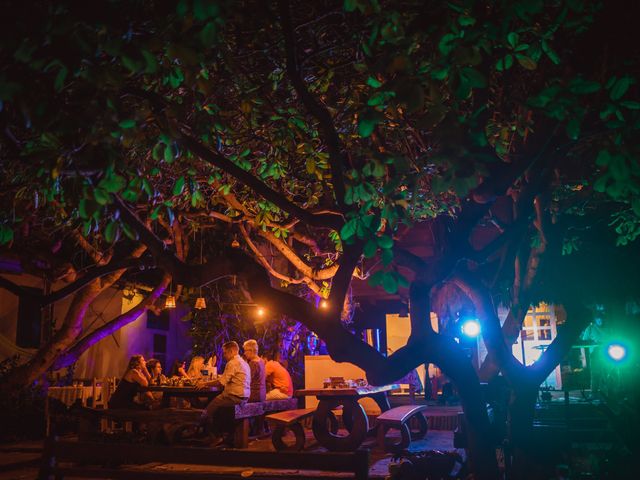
(100, 460)
(174, 424)
(400, 418)
(291, 421)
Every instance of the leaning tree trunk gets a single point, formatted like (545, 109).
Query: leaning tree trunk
(26, 374)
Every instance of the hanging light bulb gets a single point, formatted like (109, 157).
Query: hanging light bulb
(235, 243)
(170, 302)
(201, 304)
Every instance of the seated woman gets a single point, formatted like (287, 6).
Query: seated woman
(154, 367)
(179, 369)
(134, 377)
(195, 368)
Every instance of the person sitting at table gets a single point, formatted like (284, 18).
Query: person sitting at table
(236, 381)
(154, 367)
(279, 384)
(257, 367)
(179, 369)
(195, 367)
(134, 377)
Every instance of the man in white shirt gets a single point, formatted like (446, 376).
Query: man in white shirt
(235, 380)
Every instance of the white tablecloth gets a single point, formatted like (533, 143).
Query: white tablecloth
(69, 395)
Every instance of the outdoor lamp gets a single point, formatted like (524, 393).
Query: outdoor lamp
(201, 304)
(616, 352)
(260, 311)
(170, 302)
(324, 303)
(471, 328)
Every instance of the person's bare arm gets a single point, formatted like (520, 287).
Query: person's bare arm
(139, 377)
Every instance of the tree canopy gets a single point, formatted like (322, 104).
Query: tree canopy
(313, 135)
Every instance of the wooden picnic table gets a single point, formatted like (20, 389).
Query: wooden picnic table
(182, 392)
(353, 415)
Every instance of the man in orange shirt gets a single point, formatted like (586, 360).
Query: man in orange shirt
(279, 381)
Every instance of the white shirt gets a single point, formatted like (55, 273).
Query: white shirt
(236, 378)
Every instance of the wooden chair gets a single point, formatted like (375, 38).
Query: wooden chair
(101, 391)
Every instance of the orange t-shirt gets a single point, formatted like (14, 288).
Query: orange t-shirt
(278, 376)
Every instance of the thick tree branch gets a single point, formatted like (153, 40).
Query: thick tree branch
(73, 354)
(326, 220)
(319, 111)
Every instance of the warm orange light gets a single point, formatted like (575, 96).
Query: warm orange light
(201, 304)
(324, 304)
(235, 243)
(170, 302)
(260, 312)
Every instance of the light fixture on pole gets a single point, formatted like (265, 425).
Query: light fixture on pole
(201, 304)
(170, 302)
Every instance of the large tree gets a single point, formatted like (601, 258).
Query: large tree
(315, 135)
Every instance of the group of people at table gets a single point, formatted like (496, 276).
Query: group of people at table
(248, 379)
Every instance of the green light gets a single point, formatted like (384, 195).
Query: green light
(617, 352)
(471, 328)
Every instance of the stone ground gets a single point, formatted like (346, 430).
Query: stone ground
(20, 461)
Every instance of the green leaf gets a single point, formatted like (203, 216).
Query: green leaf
(385, 241)
(208, 34)
(376, 278)
(111, 233)
(368, 121)
(603, 158)
(129, 231)
(466, 20)
(573, 128)
(389, 283)
(60, 78)
(370, 248)
(168, 154)
(112, 183)
(178, 187)
(350, 5)
(348, 230)
(101, 196)
(526, 62)
(512, 39)
(6, 234)
(553, 56)
(446, 44)
(387, 256)
(473, 77)
(372, 82)
(620, 87)
(150, 59)
(129, 123)
(630, 104)
(581, 86)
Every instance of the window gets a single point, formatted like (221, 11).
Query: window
(537, 325)
(158, 322)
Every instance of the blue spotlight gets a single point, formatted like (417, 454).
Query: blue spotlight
(471, 328)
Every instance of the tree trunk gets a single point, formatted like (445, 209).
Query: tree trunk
(520, 431)
(27, 373)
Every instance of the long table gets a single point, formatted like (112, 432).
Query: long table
(181, 392)
(353, 415)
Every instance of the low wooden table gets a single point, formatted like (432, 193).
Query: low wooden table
(353, 415)
(182, 392)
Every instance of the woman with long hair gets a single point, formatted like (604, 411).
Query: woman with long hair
(134, 377)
